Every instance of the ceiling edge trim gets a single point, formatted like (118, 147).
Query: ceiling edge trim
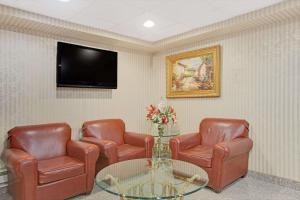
(27, 22)
(273, 14)
(24, 21)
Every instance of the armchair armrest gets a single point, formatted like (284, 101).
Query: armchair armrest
(87, 153)
(108, 149)
(22, 168)
(233, 148)
(142, 140)
(183, 142)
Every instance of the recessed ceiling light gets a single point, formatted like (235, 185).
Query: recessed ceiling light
(149, 23)
(64, 0)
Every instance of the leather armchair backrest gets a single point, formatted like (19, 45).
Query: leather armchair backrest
(215, 130)
(107, 129)
(42, 141)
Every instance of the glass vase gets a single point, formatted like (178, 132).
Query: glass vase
(159, 132)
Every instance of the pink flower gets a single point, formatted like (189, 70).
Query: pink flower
(158, 116)
(174, 118)
(171, 109)
(164, 119)
(150, 110)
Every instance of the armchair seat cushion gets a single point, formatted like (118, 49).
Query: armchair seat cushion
(199, 155)
(128, 152)
(58, 168)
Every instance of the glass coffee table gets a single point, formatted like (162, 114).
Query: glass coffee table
(152, 179)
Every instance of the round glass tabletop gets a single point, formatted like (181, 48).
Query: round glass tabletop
(152, 179)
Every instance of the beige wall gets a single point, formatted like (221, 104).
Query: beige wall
(29, 94)
(260, 79)
(260, 82)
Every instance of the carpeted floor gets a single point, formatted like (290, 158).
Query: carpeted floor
(243, 189)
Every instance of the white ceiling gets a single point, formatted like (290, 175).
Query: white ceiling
(126, 17)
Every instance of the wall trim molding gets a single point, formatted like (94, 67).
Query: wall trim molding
(3, 177)
(275, 180)
(23, 21)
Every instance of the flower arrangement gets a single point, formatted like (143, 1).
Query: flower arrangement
(161, 116)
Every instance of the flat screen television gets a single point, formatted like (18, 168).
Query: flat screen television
(79, 66)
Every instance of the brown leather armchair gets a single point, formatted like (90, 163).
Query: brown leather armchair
(221, 148)
(45, 164)
(115, 144)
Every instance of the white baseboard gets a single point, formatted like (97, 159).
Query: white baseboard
(3, 178)
(275, 180)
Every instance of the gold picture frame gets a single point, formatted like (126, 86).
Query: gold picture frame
(194, 73)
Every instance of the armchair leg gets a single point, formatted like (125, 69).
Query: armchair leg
(217, 191)
(88, 192)
(244, 175)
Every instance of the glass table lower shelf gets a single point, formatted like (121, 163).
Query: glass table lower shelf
(152, 179)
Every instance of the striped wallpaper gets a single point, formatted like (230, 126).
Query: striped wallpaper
(28, 92)
(260, 79)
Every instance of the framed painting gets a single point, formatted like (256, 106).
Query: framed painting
(194, 73)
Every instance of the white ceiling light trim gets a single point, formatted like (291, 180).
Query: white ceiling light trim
(149, 24)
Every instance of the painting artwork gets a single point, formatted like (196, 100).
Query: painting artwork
(194, 73)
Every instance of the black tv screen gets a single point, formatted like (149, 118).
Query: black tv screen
(79, 66)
